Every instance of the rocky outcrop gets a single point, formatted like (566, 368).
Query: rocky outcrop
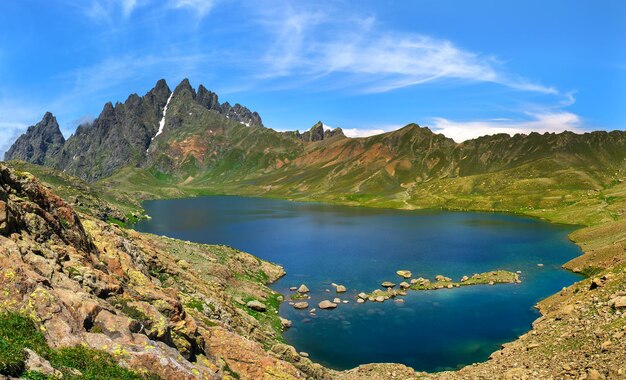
(317, 133)
(241, 114)
(157, 305)
(41, 144)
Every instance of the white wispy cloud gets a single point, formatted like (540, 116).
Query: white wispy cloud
(15, 118)
(106, 11)
(371, 131)
(10, 132)
(117, 71)
(313, 43)
(460, 131)
(200, 7)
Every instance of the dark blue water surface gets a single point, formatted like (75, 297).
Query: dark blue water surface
(360, 247)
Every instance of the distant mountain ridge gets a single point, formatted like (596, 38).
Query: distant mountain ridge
(187, 142)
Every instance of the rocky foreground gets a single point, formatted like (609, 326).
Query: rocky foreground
(172, 309)
(158, 306)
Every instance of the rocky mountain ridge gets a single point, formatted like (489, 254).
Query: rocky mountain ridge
(121, 135)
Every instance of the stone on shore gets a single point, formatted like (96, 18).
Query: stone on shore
(285, 323)
(326, 304)
(360, 300)
(362, 295)
(618, 302)
(404, 285)
(464, 278)
(256, 306)
(301, 305)
(380, 299)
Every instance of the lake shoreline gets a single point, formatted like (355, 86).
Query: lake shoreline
(437, 213)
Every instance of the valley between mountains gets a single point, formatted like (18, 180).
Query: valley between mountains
(147, 306)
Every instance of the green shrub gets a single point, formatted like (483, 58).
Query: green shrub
(92, 364)
(16, 333)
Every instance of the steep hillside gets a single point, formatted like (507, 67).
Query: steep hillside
(157, 306)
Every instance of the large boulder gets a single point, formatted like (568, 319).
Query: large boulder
(36, 363)
(256, 306)
(618, 302)
(326, 304)
(301, 305)
(303, 289)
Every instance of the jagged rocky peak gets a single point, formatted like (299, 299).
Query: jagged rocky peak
(208, 99)
(39, 143)
(319, 132)
(241, 114)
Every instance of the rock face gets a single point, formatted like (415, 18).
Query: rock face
(41, 144)
(241, 114)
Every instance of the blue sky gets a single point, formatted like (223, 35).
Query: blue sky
(462, 68)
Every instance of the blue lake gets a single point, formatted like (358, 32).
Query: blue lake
(319, 244)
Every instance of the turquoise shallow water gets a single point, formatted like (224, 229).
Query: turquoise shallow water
(360, 247)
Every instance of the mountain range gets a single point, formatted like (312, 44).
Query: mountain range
(185, 142)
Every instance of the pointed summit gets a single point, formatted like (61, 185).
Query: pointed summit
(161, 85)
(159, 94)
(184, 87)
(40, 142)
